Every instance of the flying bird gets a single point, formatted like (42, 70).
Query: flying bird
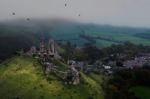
(65, 5)
(28, 19)
(13, 13)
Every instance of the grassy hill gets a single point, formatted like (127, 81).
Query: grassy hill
(22, 78)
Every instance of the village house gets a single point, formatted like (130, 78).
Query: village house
(137, 61)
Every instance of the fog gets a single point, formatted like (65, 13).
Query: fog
(114, 12)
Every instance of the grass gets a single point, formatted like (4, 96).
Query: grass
(142, 92)
(119, 37)
(22, 78)
(99, 78)
(93, 86)
(61, 65)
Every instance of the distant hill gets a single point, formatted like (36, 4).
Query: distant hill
(14, 39)
(22, 78)
(21, 34)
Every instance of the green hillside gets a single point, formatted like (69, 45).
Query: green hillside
(22, 78)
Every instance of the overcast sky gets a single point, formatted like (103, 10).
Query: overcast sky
(114, 12)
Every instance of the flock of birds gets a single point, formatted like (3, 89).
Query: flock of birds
(13, 13)
(28, 19)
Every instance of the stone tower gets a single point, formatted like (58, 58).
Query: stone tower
(42, 47)
(51, 47)
(33, 50)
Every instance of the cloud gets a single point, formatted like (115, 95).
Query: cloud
(116, 12)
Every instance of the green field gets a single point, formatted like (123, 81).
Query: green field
(122, 37)
(142, 92)
(118, 37)
(22, 78)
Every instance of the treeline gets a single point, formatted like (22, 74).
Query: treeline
(92, 53)
(118, 86)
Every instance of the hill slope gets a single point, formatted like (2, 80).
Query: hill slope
(22, 78)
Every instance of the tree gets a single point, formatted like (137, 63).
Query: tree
(93, 53)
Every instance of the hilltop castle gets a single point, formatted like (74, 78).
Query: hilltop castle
(46, 53)
(45, 50)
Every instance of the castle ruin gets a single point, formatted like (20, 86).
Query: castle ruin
(45, 54)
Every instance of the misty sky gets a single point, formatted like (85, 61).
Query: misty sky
(114, 12)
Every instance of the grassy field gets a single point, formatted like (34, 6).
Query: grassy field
(122, 37)
(22, 78)
(142, 92)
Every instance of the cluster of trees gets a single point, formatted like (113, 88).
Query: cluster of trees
(86, 53)
(92, 53)
(118, 86)
(128, 48)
